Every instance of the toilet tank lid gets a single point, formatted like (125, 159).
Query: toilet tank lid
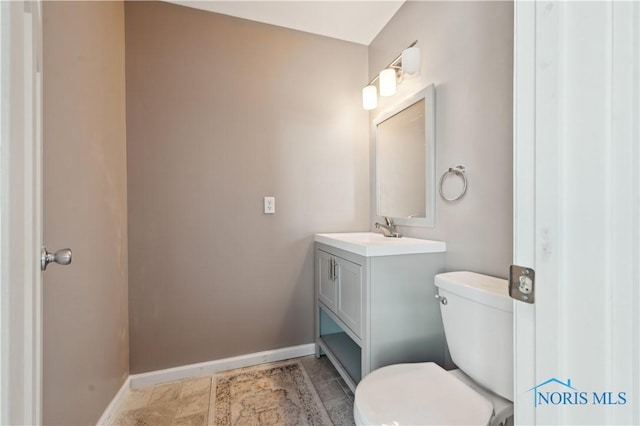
(483, 289)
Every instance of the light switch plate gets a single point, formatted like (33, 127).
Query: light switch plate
(269, 205)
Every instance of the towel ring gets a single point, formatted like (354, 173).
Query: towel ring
(460, 171)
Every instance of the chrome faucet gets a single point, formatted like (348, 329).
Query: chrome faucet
(389, 229)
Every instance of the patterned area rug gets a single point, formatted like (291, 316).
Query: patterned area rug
(272, 394)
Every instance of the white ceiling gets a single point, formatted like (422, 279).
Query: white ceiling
(355, 21)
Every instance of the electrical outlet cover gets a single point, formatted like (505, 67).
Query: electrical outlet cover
(269, 205)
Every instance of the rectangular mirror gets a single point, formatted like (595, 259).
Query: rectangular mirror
(405, 161)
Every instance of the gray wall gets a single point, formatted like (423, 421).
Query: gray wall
(86, 343)
(220, 113)
(467, 52)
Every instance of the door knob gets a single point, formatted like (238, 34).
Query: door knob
(61, 257)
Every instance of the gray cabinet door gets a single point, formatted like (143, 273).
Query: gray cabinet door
(327, 286)
(350, 297)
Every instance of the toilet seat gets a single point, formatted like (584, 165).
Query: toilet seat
(418, 394)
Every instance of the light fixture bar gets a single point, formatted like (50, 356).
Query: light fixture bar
(393, 64)
(392, 75)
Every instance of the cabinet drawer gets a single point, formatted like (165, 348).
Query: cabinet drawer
(327, 285)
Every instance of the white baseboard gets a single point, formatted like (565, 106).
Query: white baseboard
(112, 408)
(211, 367)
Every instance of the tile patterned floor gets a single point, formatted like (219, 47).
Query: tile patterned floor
(187, 402)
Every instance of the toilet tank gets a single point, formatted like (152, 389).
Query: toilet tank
(478, 325)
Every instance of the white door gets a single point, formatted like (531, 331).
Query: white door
(20, 213)
(577, 215)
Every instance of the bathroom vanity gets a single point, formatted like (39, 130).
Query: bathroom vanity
(374, 301)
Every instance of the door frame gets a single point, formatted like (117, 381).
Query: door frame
(21, 212)
(524, 199)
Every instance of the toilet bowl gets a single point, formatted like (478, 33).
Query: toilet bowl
(477, 314)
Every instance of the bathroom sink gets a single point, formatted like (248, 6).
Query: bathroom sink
(370, 244)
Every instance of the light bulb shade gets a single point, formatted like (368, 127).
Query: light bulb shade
(387, 80)
(411, 61)
(370, 97)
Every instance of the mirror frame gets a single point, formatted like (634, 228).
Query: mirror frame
(428, 94)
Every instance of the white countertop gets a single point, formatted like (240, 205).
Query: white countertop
(370, 244)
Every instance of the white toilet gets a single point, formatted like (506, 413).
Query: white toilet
(477, 314)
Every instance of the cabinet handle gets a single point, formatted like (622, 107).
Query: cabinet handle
(334, 272)
(331, 277)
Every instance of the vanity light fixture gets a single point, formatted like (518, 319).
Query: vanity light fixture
(370, 97)
(387, 79)
(406, 65)
(411, 61)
